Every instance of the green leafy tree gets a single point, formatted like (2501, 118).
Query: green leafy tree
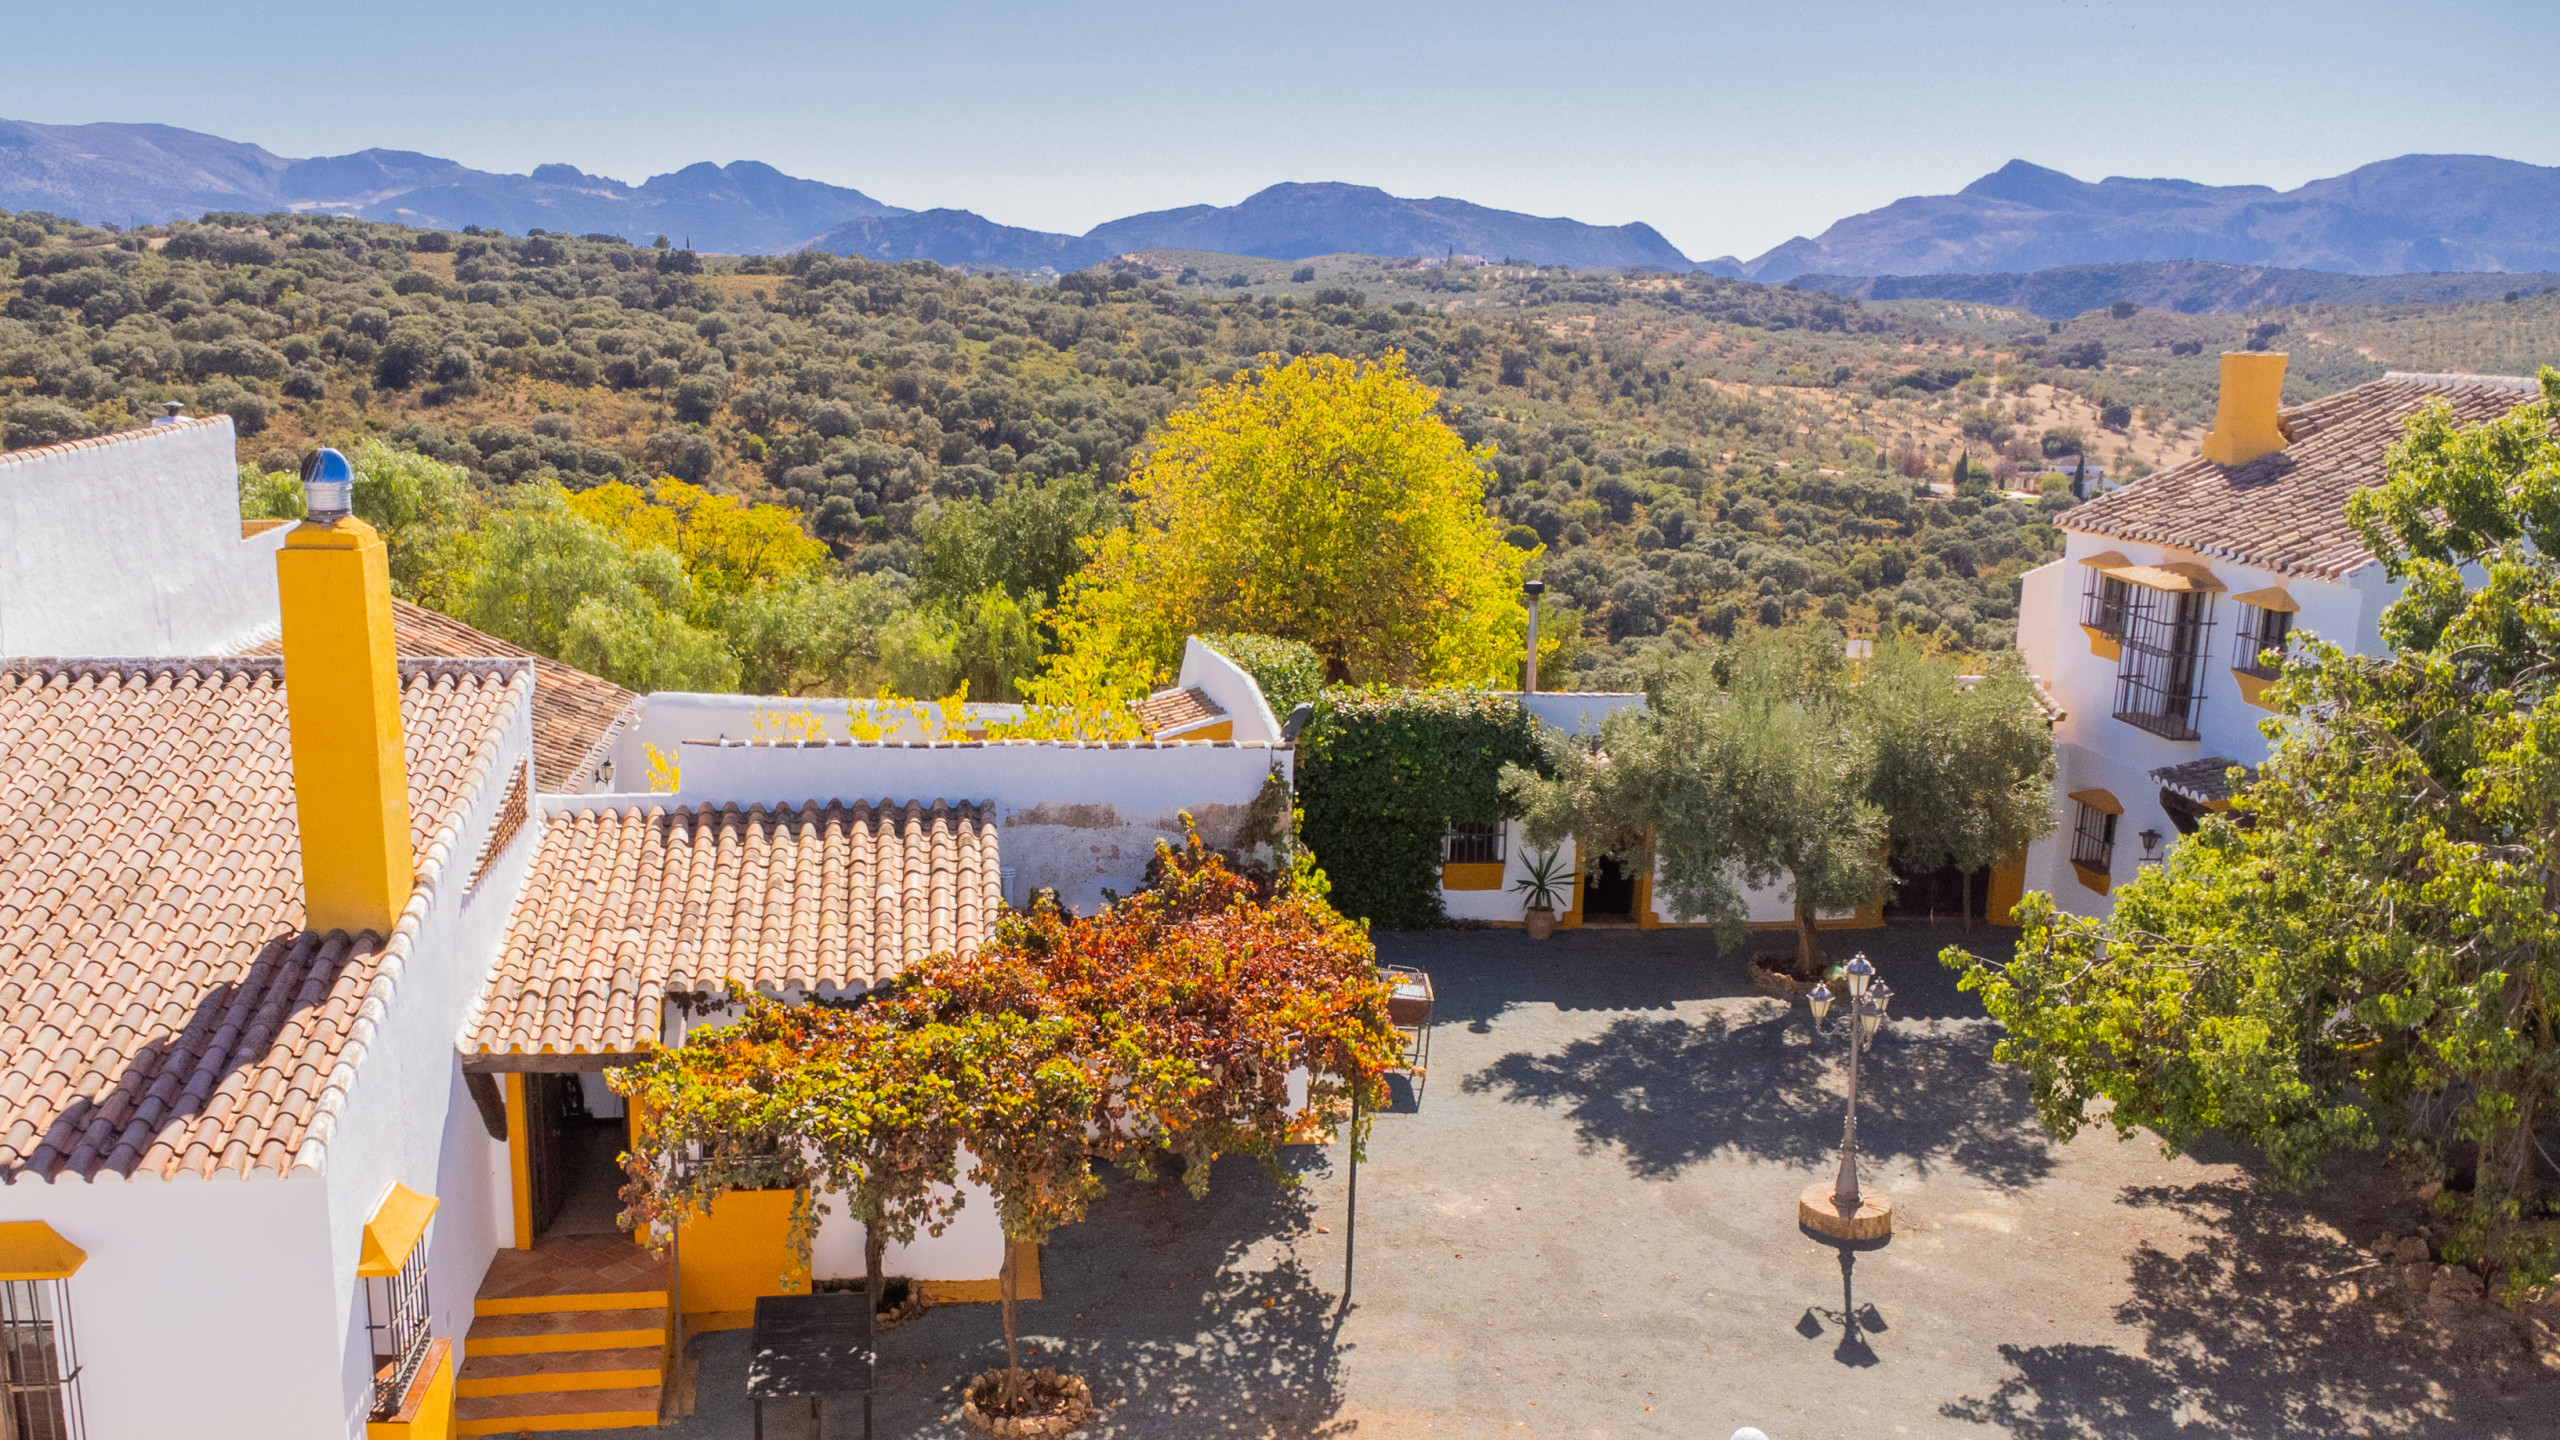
(423, 508)
(1025, 541)
(1963, 771)
(560, 584)
(2366, 951)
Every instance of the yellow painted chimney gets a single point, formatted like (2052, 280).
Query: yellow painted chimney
(2245, 424)
(342, 697)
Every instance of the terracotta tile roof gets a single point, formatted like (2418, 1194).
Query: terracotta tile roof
(1169, 711)
(624, 905)
(161, 1009)
(573, 712)
(2206, 781)
(2286, 512)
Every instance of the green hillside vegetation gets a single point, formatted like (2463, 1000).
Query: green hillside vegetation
(1695, 454)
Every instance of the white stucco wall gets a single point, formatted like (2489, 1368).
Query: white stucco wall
(971, 1247)
(130, 545)
(669, 718)
(1228, 686)
(1079, 818)
(1575, 711)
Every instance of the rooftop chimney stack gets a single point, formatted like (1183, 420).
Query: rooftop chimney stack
(342, 701)
(2245, 425)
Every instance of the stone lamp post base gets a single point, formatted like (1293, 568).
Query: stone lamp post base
(1819, 1212)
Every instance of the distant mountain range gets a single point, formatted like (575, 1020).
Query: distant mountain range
(147, 174)
(2415, 214)
(1283, 222)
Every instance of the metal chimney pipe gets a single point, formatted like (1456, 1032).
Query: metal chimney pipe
(1529, 668)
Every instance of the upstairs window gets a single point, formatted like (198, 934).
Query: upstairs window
(2259, 630)
(2104, 601)
(1472, 842)
(2158, 684)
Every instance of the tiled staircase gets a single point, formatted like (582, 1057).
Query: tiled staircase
(570, 1335)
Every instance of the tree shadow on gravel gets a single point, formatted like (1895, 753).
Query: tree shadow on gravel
(1189, 1314)
(1673, 1093)
(2254, 1332)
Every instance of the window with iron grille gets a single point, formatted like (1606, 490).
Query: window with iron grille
(2157, 683)
(39, 1366)
(2103, 602)
(2258, 632)
(2093, 839)
(397, 1319)
(1472, 842)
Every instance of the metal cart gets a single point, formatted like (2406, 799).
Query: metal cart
(1409, 1010)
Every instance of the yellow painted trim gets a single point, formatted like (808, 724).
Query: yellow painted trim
(561, 1380)
(342, 711)
(427, 1412)
(2176, 578)
(2107, 560)
(1645, 918)
(2253, 688)
(2098, 800)
(519, 1168)
(573, 1340)
(2104, 645)
(398, 1223)
(2274, 597)
(2093, 878)
(1212, 730)
(1572, 919)
(703, 1322)
(1480, 875)
(599, 1420)
(2008, 887)
(1026, 1264)
(33, 1250)
(547, 1304)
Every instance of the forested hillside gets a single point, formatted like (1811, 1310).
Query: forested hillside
(1695, 453)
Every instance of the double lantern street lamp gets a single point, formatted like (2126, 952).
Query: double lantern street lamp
(1844, 1213)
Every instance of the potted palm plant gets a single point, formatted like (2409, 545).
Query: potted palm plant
(1542, 890)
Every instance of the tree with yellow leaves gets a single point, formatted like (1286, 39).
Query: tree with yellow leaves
(1320, 500)
(727, 547)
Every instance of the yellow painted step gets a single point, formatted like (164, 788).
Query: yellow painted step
(566, 1330)
(543, 1304)
(570, 1410)
(535, 1372)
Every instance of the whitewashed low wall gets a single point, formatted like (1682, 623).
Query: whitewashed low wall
(1080, 818)
(669, 718)
(1228, 686)
(971, 1247)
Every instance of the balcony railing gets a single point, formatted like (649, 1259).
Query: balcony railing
(2157, 685)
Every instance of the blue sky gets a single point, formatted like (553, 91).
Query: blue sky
(1727, 126)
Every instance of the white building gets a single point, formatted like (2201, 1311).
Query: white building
(2149, 631)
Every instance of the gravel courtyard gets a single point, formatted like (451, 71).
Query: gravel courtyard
(1585, 1226)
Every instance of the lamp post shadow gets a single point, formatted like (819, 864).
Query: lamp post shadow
(1856, 1322)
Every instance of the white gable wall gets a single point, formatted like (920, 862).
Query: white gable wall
(131, 545)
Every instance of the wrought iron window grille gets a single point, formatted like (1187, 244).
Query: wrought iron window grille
(398, 1319)
(2093, 839)
(1470, 842)
(2158, 685)
(39, 1362)
(2104, 601)
(2257, 632)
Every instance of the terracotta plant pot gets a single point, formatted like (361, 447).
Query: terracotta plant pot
(1061, 1404)
(1540, 921)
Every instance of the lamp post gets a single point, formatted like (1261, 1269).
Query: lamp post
(1530, 590)
(1845, 1212)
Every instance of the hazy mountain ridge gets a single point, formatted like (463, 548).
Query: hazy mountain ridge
(1282, 222)
(148, 174)
(2410, 215)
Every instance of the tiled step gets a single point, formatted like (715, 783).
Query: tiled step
(549, 1370)
(557, 1330)
(558, 1410)
(544, 1304)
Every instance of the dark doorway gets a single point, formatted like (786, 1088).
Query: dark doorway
(571, 1159)
(1609, 893)
(1935, 894)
